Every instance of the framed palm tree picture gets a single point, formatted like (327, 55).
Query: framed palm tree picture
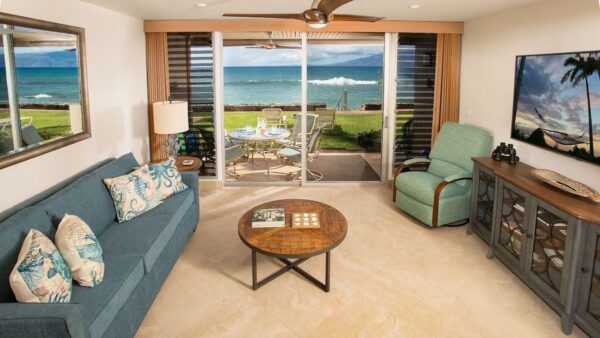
(557, 103)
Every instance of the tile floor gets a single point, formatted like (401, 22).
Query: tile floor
(390, 278)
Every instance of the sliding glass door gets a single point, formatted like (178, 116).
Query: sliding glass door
(345, 81)
(262, 107)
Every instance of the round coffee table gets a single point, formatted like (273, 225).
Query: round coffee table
(294, 243)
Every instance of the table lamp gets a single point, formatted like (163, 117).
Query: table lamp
(171, 118)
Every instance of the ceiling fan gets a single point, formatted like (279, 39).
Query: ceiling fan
(270, 45)
(318, 16)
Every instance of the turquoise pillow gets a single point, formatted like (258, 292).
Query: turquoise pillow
(133, 194)
(167, 178)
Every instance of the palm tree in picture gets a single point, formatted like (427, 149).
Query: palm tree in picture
(581, 69)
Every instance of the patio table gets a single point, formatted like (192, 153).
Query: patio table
(261, 139)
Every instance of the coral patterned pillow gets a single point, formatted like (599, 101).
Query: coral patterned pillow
(167, 178)
(81, 250)
(133, 194)
(40, 275)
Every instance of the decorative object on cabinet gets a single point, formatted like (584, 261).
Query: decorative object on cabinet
(549, 239)
(566, 184)
(505, 152)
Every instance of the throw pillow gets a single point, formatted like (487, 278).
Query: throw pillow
(40, 275)
(81, 250)
(167, 178)
(133, 194)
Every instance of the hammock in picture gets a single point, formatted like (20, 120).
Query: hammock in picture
(559, 136)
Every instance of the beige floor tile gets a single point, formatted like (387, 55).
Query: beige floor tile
(391, 277)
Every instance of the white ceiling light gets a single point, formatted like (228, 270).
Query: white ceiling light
(201, 5)
(414, 6)
(317, 25)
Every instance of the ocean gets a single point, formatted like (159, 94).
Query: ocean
(44, 85)
(249, 85)
(326, 84)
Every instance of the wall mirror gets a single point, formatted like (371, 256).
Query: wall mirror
(43, 91)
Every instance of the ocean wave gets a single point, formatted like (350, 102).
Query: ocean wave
(342, 81)
(41, 96)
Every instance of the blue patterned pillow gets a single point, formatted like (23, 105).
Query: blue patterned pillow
(40, 275)
(81, 250)
(133, 194)
(167, 178)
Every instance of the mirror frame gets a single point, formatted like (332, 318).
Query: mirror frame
(29, 153)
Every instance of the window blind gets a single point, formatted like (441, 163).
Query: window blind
(191, 79)
(415, 95)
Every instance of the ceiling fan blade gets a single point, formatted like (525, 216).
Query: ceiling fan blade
(328, 6)
(269, 16)
(287, 47)
(343, 17)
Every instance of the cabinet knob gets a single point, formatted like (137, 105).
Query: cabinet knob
(585, 270)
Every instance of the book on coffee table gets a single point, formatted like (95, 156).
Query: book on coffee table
(268, 218)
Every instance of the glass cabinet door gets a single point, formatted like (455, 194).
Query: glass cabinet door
(512, 230)
(485, 200)
(550, 234)
(592, 305)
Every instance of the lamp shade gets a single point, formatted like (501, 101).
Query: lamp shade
(170, 117)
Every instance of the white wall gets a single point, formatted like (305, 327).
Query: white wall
(116, 65)
(490, 46)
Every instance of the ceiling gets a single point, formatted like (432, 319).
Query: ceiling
(431, 10)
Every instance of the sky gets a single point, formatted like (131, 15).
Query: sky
(561, 107)
(317, 55)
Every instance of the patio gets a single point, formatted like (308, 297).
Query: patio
(347, 151)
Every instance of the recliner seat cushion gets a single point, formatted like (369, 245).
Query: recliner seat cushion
(147, 235)
(421, 186)
(103, 302)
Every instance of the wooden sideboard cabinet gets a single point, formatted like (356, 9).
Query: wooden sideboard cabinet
(548, 238)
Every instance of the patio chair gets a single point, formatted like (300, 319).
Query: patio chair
(296, 135)
(273, 117)
(233, 153)
(326, 117)
(293, 154)
(442, 194)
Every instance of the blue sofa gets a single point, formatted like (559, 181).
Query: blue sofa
(139, 255)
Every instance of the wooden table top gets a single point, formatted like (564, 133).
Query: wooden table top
(288, 242)
(520, 175)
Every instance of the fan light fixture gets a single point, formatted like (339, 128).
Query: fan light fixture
(317, 25)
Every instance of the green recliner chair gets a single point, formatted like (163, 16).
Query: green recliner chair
(442, 194)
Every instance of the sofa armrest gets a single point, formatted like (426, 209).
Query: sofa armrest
(42, 320)
(191, 180)
(458, 177)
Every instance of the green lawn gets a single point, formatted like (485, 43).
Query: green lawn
(343, 136)
(48, 123)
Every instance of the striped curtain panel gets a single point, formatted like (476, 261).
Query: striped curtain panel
(447, 81)
(158, 87)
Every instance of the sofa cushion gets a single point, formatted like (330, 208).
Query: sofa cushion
(12, 234)
(121, 166)
(147, 235)
(167, 178)
(103, 302)
(87, 198)
(421, 186)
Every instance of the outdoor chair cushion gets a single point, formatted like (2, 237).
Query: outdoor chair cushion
(421, 186)
(103, 302)
(30, 135)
